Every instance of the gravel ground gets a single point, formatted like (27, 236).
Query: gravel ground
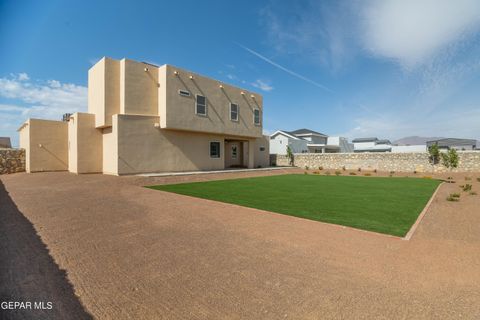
(103, 247)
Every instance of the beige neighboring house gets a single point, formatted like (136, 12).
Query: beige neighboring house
(144, 118)
(5, 142)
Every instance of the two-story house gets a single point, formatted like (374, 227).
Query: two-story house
(371, 145)
(145, 118)
(307, 141)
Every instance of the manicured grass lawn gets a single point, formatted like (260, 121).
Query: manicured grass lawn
(386, 205)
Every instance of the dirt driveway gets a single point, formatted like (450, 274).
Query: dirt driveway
(104, 247)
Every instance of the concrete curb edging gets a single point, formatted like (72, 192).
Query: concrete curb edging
(414, 227)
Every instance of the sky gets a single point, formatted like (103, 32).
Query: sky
(381, 68)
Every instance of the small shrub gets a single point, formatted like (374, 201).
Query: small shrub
(353, 174)
(337, 173)
(305, 172)
(452, 198)
(466, 187)
(390, 175)
(359, 169)
(468, 178)
(449, 178)
(414, 171)
(327, 173)
(306, 167)
(455, 195)
(478, 179)
(375, 170)
(316, 172)
(472, 193)
(392, 172)
(320, 168)
(367, 174)
(343, 168)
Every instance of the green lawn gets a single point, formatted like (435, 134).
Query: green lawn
(386, 205)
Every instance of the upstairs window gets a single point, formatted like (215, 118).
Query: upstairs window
(233, 112)
(256, 116)
(214, 149)
(201, 105)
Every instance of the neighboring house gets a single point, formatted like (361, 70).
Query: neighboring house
(371, 145)
(5, 142)
(412, 148)
(454, 143)
(305, 140)
(144, 118)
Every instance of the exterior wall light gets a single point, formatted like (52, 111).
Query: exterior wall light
(156, 125)
(242, 93)
(175, 72)
(146, 69)
(40, 145)
(252, 96)
(220, 86)
(191, 77)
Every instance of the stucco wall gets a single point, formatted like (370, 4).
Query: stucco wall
(178, 112)
(84, 144)
(262, 158)
(469, 161)
(12, 160)
(143, 148)
(104, 91)
(46, 145)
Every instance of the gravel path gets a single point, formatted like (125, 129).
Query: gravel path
(135, 253)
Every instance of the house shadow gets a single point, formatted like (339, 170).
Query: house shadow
(28, 273)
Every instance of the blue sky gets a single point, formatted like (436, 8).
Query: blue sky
(383, 68)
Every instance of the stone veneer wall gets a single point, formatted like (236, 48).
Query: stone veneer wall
(12, 160)
(469, 161)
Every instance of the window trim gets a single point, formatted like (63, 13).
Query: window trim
(196, 103)
(259, 120)
(219, 149)
(238, 112)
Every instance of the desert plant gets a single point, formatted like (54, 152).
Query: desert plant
(367, 174)
(316, 172)
(434, 154)
(306, 167)
(320, 168)
(473, 193)
(450, 159)
(478, 179)
(414, 171)
(352, 173)
(452, 197)
(305, 172)
(392, 172)
(359, 169)
(468, 178)
(466, 187)
(327, 173)
(375, 170)
(337, 173)
(290, 156)
(343, 168)
(455, 195)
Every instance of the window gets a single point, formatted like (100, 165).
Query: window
(263, 148)
(233, 112)
(201, 105)
(256, 116)
(234, 152)
(215, 149)
(184, 93)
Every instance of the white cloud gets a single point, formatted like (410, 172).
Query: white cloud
(412, 31)
(37, 99)
(262, 85)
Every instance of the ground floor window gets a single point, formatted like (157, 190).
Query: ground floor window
(234, 152)
(214, 149)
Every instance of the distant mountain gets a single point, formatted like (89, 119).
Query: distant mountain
(413, 140)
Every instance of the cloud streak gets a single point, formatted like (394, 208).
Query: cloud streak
(293, 73)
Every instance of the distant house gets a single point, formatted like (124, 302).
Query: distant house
(5, 142)
(410, 148)
(307, 141)
(371, 145)
(454, 143)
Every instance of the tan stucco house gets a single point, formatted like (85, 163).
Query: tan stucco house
(144, 118)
